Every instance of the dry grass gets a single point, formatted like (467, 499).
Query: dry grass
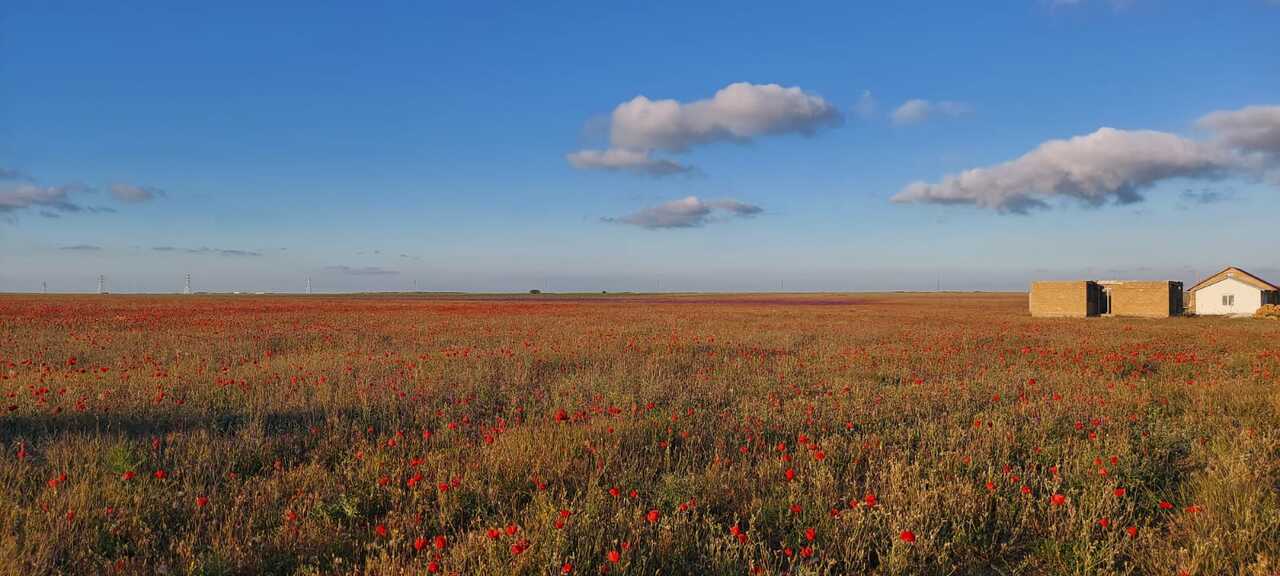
(329, 435)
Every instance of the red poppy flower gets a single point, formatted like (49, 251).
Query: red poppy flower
(567, 568)
(440, 542)
(380, 530)
(419, 543)
(907, 536)
(1165, 505)
(201, 501)
(652, 516)
(1058, 499)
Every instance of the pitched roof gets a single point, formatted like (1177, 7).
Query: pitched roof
(1235, 274)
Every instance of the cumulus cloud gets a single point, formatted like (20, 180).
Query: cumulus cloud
(1107, 165)
(918, 110)
(362, 270)
(134, 194)
(1113, 165)
(210, 251)
(690, 212)
(738, 112)
(1252, 129)
(637, 161)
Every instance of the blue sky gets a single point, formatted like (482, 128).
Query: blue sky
(395, 145)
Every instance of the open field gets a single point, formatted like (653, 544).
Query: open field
(769, 434)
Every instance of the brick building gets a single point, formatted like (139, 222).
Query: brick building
(1083, 298)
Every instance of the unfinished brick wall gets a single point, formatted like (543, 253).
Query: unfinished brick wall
(1069, 299)
(1145, 299)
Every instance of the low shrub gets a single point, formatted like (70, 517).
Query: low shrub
(1268, 311)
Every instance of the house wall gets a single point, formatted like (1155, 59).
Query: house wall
(1209, 298)
(1069, 299)
(1146, 299)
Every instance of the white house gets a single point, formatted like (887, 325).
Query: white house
(1233, 291)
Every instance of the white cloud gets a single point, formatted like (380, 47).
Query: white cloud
(1116, 165)
(736, 113)
(918, 110)
(1107, 165)
(736, 208)
(641, 162)
(134, 194)
(1252, 129)
(690, 212)
(25, 195)
(19, 191)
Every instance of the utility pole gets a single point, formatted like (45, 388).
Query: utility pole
(102, 280)
(44, 287)
(187, 289)
(308, 285)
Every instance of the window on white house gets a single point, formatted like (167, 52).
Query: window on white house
(1228, 299)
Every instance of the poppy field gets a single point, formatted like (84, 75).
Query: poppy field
(631, 434)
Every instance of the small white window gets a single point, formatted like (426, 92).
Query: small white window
(1228, 299)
